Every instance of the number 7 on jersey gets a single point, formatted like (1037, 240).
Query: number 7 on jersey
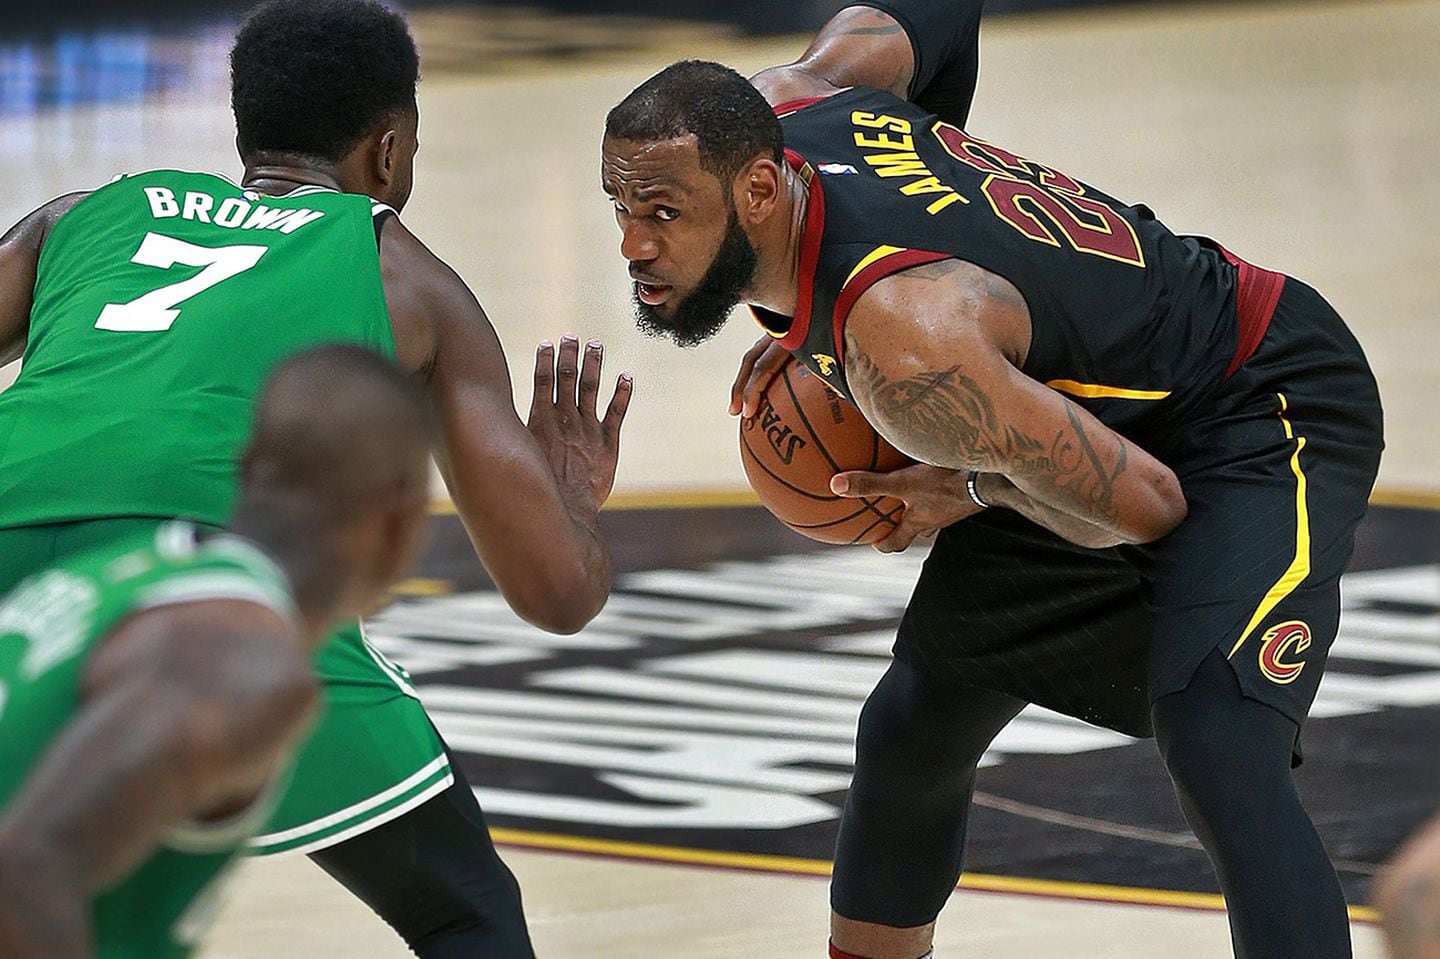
(155, 312)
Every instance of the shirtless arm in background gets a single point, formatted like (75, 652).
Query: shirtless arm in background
(933, 355)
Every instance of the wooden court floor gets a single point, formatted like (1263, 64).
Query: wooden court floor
(1301, 135)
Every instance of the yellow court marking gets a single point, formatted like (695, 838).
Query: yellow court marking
(419, 586)
(793, 865)
(655, 499)
(1299, 567)
(1097, 391)
(723, 498)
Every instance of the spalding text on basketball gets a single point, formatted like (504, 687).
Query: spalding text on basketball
(784, 440)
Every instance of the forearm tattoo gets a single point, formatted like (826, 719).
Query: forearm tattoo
(944, 418)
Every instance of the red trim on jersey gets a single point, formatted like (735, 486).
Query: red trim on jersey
(1256, 294)
(793, 106)
(867, 278)
(809, 254)
(837, 953)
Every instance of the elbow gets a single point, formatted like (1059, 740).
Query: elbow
(564, 602)
(565, 616)
(1165, 509)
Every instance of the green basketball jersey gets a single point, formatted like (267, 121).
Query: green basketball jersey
(162, 303)
(49, 627)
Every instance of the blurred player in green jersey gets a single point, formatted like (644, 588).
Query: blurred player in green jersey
(152, 691)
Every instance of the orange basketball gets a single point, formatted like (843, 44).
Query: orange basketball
(801, 436)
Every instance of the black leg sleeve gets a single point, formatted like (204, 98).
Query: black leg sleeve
(902, 835)
(945, 36)
(1229, 758)
(433, 874)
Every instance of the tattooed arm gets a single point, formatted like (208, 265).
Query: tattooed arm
(860, 46)
(933, 357)
(1408, 895)
(997, 490)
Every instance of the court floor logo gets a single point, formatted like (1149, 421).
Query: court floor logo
(1288, 639)
(717, 706)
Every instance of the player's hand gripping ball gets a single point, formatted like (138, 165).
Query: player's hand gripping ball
(802, 434)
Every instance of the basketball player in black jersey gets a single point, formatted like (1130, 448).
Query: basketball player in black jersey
(1148, 456)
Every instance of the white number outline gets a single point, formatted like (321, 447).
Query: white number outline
(156, 311)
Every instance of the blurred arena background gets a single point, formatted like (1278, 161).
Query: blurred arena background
(667, 781)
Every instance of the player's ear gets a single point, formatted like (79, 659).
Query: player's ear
(758, 189)
(387, 157)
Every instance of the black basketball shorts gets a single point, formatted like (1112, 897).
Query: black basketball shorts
(1277, 470)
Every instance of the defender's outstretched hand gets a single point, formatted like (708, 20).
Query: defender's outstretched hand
(759, 366)
(583, 449)
(934, 498)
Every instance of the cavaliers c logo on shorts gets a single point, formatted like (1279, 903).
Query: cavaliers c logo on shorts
(1291, 638)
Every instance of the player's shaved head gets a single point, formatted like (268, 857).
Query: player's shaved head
(335, 481)
(340, 426)
(728, 117)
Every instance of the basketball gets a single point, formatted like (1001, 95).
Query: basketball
(802, 435)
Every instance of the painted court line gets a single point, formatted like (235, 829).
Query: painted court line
(791, 865)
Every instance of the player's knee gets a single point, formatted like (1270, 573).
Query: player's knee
(1225, 754)
(905, 730)
(1202, 762)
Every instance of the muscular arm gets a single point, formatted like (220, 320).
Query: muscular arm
(932, 360)
(539, 541)
(860, 46)
(19, 259)
(999, 491)
(927, 51)
(182, 718)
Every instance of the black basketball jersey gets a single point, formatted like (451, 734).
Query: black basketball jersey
(1134, 321)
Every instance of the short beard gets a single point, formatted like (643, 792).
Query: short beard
(703, 313)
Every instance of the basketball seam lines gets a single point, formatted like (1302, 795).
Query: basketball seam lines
(794, 489)
(800, 411)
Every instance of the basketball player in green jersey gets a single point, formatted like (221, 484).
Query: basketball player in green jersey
(151, 691)
(148, 313)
